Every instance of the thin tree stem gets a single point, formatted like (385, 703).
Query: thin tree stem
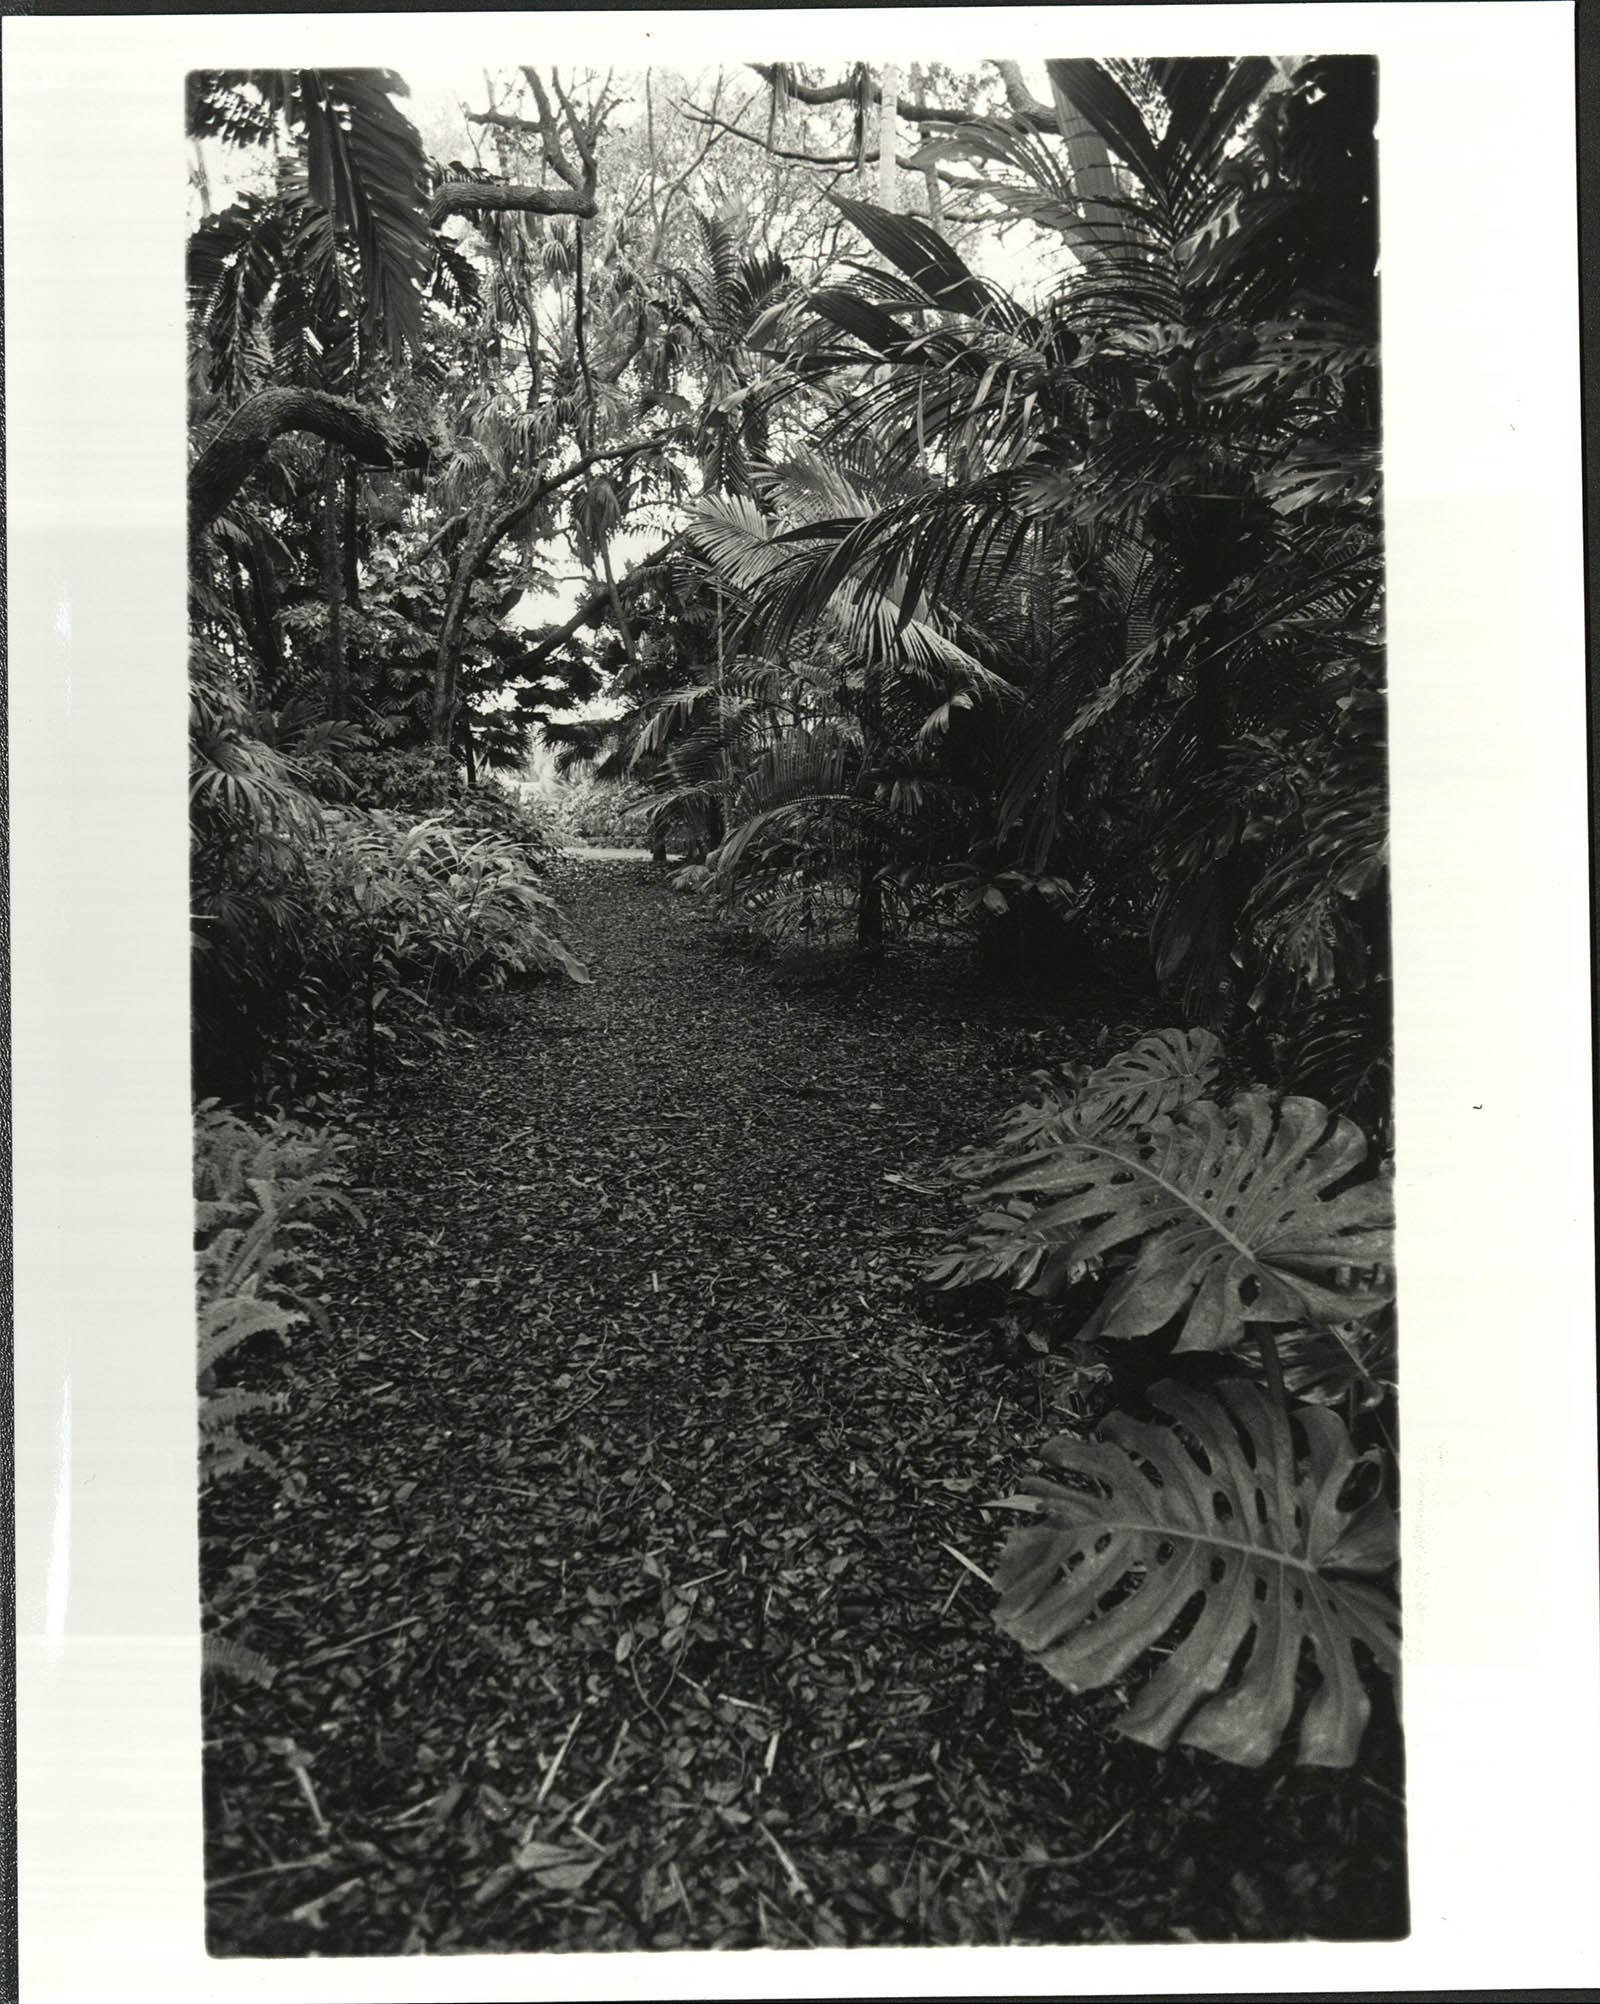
(1267, 1344)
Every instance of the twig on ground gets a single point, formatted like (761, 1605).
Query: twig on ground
(339, 1649)
(745, 1704)
(308, 1789)
(576, 1818)
(561, 1754)
(310, 1864)
(797, 1885)
(1028, 1864)
(826, 1336)
(633, 1671)
(977, 1572)
(700, 1580)
(311, 1910)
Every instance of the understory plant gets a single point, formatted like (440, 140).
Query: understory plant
(1230, 1526)
(412, 914)
(421, 781)
(318, 926)
(260, 1189)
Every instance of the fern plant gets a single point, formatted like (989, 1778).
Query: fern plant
(1244, 1527)
(259, 1189)
(435, 900)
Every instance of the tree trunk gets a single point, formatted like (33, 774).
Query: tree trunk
(1228, 878)
(886, 136)
(352, 531)
(369, 1012)
(333, 585)
(869, 896)
(930, 174)
(481, 537)
(1103, 228)
(472, 198)
(476, 546)
(256, 596)
(870, 853)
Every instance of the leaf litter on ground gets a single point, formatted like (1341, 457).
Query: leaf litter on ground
(623, 1596)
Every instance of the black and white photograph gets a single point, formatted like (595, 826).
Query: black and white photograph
(789, 838)
(794, 993)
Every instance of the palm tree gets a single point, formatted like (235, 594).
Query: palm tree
(858, 768)
(1159, 489)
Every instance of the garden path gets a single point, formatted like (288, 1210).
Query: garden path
(633, 1475)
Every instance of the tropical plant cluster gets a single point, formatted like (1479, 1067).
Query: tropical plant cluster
(327, 932)
(1085, 592)
(1042, 615)
(1238, 1518)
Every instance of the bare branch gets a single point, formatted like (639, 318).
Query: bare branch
(487, 528)
(846, 161)
(443, 538)
(1024, 105)
(506, 121)
(465, 198)
(677, 188)
(594, 608)
(550, 131)
(1027, 109)
(583, 139)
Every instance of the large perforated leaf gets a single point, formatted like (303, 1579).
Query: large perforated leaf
(1161, 1073)
(1226, 1218)
(1231, 1532)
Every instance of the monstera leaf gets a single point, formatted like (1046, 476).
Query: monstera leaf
(1007, 1246)
(1219, 1521)
(1225, 1215)
(1162, 1072)
(1344, 1361)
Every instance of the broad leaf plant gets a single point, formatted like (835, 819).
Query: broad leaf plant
(1240, 1530)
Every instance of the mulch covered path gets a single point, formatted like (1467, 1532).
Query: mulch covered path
(614, 1599)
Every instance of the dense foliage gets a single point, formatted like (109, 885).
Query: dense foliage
(259, 1192)
(977, 549)
(1162, 1226)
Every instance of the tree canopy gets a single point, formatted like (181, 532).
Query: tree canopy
(1006, 445)
(959, 495)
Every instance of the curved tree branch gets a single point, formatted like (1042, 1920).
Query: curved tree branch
(1025, 107)
(249, 434)
(506, 121)
(485, 532)
(550, 131)
(465, 198)
(577, 198)
(849, 159)
(593, 609)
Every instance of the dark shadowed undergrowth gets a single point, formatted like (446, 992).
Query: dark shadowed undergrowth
(616, 1586)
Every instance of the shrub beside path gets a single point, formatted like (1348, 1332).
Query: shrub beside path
(616, 1596)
